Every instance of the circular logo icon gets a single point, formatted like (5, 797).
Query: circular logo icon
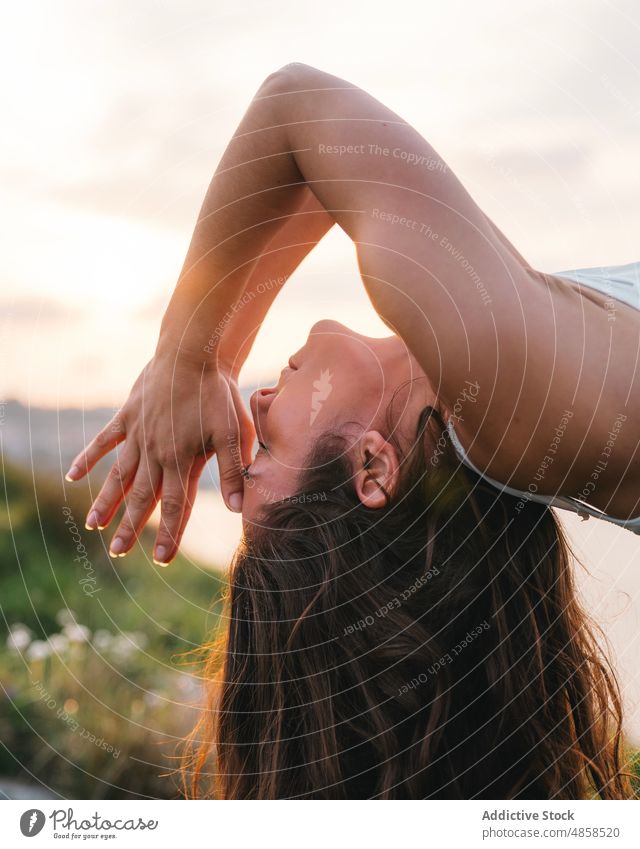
(32, 822)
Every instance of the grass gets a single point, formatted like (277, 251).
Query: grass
(95, 693)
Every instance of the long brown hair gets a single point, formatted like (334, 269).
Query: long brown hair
(434, 648)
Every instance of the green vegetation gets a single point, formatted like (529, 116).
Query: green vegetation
(97, 688)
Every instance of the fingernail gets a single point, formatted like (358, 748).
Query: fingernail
(72, 474)
(160, 556)
(92, 521)
(117, 547)
(235, 502)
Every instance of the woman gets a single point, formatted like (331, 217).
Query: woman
(401, 623)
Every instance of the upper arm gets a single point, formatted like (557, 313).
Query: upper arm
(438, 271)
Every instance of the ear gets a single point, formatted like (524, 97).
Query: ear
(377, 469)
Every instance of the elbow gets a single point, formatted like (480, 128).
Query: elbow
(289, 77)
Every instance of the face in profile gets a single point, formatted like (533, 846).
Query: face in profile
(339, 382)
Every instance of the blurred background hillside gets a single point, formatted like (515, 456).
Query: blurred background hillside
(97, 681)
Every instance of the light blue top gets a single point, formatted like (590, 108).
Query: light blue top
(621, 282)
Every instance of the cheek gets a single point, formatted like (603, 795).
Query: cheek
(288, 417)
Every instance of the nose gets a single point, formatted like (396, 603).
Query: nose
(259, 403)
(260, 398)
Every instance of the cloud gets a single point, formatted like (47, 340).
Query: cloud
(32, 309)
(150, 158)
(132, 116)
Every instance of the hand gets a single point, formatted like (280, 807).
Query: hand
(179, 413)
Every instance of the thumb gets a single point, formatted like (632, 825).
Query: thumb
(230, 465)
(247, 429)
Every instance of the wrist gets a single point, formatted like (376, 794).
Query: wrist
(181, 353)
(231, 366)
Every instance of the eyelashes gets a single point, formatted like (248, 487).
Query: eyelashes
(246, 470)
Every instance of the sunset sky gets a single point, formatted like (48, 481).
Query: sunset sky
(115, 115)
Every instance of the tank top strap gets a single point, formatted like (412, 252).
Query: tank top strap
(560, 501)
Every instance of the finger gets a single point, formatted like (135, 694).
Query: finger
(230, 463)
(172, 503)
(113, 490)
(140, 504)
(192, 489)
(111, 435)
(247, 429)
(247, 440)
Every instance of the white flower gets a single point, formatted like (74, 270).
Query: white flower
(137, 638)
(19, 637)
(102, 639)
(76, 633)
(38, 650)
(122, 647)
(188, 685)
(66, 616)
(58, 642)
(127, 643)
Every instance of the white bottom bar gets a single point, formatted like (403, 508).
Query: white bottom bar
(325, 825)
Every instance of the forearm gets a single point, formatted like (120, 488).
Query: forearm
(254, 192)
(284, 253)
(263, 178)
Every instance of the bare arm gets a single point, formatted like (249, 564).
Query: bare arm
(437, 270)
(163, 455)
(284, 253)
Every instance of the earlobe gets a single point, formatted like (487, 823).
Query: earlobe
(377, 470)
